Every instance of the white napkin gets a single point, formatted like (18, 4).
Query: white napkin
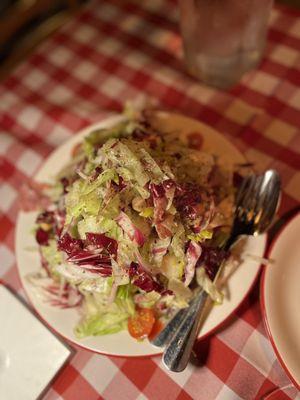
(30, 355)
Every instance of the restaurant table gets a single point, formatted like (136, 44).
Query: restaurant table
(114, 51)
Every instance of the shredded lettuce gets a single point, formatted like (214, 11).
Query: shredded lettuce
(124, 292)
(126, 252)
(100, 136)
(72, 274)
(151, 166)
(120, 275)
(158, 249)
(73, 204)
(112, 209)
(105, 176)
(210, 288)
(124, 298)
(102, 324)
(172, 267)
(147, 212)
(97, 285)
(51, 254)
(182, 293)
(99, 224)
(127, 164)
(87, 197)
(147, 300)
(178, 241)
(110, 227)
(101, 318)
(120, 155)
(201, 236)
(79, 202)
(89, 223)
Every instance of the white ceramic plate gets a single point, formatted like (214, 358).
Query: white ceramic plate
(30, 355)
(280, 298)
(121, 343)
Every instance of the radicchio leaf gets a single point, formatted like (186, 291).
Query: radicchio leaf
(164, 228)
(57, 294)
(130, 229)
(159, 248)
(162, 196)
(211, 258)
(87, 257)
(101, 241)
(42, 237)
(142, 279)
(195, 204)
(192, 255)
(46, 217)
(69, 245)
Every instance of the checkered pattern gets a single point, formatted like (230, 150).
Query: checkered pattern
(114, 51)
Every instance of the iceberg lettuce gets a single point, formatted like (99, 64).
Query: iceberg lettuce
(124, 298)
(102, 318)
(102, 324)
(182, 293)
(87, 197)
(172, 267)
(147, 300)
(127, 164)
(210, 288)
(201, 236)
(98, 285)
(100, 136)
(178, 241)
(52, 255)
(89, 223)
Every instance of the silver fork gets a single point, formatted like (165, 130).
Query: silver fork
(256, 203)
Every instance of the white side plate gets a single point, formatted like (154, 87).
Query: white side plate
(30, 355)
(121, 344)
(280, 298)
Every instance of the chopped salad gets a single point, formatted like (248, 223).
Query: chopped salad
(132, 228)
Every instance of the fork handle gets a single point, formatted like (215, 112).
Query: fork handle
(169, 330)
(177, 353)
(180, 333)
(166, 334)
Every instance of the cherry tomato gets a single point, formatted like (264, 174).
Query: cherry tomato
(141, 323)
(195, 140)
(157, 327)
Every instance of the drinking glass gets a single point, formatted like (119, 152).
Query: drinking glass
(223, 39)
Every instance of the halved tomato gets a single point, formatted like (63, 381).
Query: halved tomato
(157, 327)
(141, 323)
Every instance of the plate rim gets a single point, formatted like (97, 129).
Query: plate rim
(263, 301)
(75, 137)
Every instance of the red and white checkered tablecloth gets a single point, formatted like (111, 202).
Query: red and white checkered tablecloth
(118, 50)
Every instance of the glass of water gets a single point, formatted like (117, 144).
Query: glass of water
(223, 39)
